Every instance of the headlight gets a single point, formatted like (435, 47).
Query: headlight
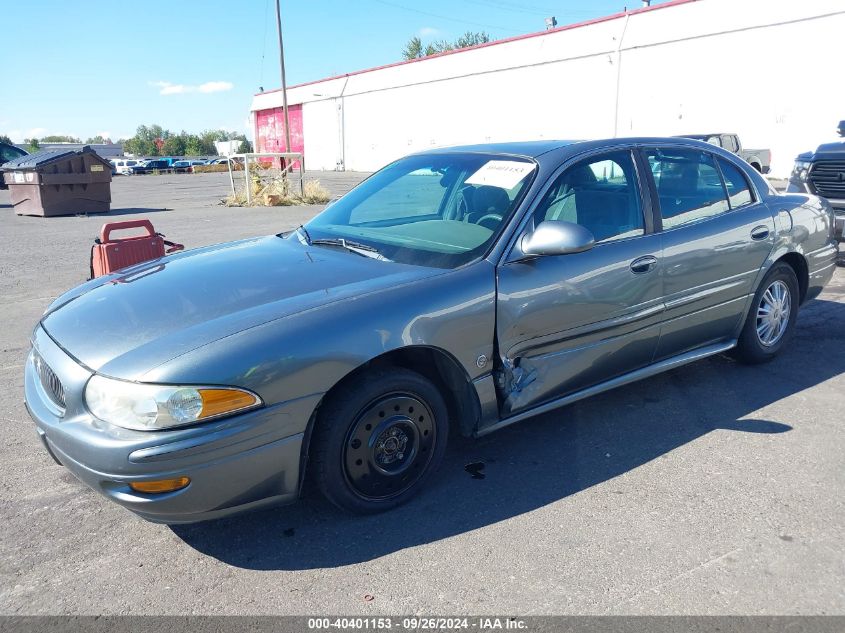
(151, 407)
(800, 170)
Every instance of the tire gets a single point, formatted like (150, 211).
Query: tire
(378, 440)
(762, 338)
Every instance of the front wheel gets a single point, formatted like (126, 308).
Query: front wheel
(771, 319)
(378, 440)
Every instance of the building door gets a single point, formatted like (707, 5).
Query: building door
(270, 129)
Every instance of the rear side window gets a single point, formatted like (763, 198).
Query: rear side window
(739, 193)
(688, 185)
(600, 194)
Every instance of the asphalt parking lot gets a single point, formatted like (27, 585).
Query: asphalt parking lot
(713, 489)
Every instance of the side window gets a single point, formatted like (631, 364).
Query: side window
(7, 153)
(739, 193)
(688, 185)
(600, 194)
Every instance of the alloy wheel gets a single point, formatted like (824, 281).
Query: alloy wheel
(773, 313)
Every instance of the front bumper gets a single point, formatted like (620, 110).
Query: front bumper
(235, 464)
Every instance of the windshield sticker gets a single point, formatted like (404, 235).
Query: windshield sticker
(505, 174)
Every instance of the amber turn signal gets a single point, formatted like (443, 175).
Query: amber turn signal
(160, 485)
(219, 401)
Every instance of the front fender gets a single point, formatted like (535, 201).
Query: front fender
(310, 352)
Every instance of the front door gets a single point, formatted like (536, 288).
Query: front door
(567, 322)
(716, 237)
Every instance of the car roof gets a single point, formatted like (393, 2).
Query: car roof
(700, 136)
(517, 148)
(536, 149)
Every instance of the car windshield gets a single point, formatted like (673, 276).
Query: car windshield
(440, 210)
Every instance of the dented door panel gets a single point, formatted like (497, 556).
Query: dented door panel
(571, 321)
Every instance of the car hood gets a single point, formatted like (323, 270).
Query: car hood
(826, 151)
(124, 325)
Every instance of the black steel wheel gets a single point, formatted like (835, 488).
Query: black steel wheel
(389, 446)
(378, 439)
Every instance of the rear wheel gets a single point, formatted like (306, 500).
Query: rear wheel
(771, 319)
(378, 440)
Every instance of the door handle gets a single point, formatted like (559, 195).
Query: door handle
(643, 264)
(760, 232)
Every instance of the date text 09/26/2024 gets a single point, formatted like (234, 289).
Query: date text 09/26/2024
(417, 623)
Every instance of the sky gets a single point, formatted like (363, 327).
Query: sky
(88, 67)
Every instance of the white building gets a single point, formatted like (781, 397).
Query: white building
(227, 148)
(765, 69)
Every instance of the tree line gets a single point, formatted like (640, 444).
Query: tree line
(152, 140)
(414, 49)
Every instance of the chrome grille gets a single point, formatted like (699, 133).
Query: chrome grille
(828, 178)
(50, 382)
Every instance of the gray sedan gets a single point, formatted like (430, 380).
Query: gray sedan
(455, 291)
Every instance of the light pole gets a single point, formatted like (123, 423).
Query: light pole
(284, 83)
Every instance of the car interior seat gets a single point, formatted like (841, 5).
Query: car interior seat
(486, 200)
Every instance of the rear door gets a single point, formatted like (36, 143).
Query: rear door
(716, 237)
(567, 322)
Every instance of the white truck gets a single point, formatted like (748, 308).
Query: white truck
(759, 159)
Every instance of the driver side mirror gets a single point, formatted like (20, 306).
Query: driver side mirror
(841, 128)
(556, 237)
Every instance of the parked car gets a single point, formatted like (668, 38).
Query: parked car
(822, 172)
(8, 152)
(159, 164)
(225, 160)
(123, 166)
(186, 166)
(759, 159)
(462, 289)
(182, 166)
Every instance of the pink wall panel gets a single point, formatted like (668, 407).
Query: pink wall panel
(270, 129)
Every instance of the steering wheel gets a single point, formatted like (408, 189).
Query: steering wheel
(489, 216)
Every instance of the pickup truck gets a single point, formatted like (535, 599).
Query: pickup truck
(822, 173)
(7, 153)
(160, 165)
(759, 159)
